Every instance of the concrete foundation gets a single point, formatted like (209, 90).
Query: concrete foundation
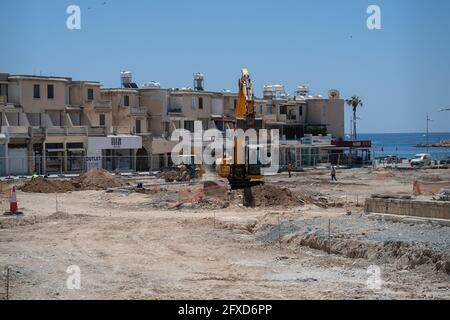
(412, 208)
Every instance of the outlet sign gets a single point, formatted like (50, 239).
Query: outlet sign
(93, 161)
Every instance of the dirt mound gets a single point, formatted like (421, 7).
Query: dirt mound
(98, 179)
(271, 196)
(95, 179)
(43, 185)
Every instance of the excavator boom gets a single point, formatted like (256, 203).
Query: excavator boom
(242, 175)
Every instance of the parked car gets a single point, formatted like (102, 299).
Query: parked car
(421, 159)
(445, 161)
(403, 163)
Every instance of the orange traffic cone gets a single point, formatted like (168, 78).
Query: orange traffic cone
(13, 201)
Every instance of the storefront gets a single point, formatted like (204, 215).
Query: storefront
(113, 153)
(61, 155)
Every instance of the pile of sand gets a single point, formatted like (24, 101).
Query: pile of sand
(98, 179)
(42, 185)
(95, 179)
(271, 196)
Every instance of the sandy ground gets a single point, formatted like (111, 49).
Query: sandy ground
(139, 246)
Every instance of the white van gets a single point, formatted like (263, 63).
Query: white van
(421, 159)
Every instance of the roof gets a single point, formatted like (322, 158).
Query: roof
(33, 77)
(125, 90)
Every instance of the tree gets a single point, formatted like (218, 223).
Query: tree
(354, 102)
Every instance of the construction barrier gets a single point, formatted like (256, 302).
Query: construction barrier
(430, 187)
(5, 192)
(191, 194)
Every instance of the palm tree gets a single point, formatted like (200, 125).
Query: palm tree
(354, 102)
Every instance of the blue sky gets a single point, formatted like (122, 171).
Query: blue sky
(401, 71)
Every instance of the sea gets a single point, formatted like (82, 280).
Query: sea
(403, 145)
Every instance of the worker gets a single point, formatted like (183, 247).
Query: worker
(333, 173)
(289, 168)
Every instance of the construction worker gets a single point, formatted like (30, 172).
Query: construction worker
(289, 168)
(333, 173)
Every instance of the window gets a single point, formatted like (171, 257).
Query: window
(126, 101)
(300, 111)
(101, 120)
(138, 126)
(37, 91)
(90, 93)
(234, 104)
(189, 125)
(200, 103)
(283, 109)
(50, 92)
(75, 145)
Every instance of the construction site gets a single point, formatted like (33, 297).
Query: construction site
(304, 237)
(228, 230)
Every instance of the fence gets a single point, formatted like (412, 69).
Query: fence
(58, 163)
(430, 187)
(301, 160)
(61, 164)
(5, 191)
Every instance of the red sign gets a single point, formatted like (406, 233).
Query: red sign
(353, 144)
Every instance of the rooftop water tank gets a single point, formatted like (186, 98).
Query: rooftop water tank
(126, 77)
(199, 79)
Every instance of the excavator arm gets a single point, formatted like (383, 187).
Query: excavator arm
(242, 175)
(245, 104)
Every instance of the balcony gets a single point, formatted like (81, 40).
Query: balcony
(121, 130)
(37, 133)
(172, 110)
(16, 131)
(55, 131)
(97, 131)
(102, 106)
(77, 131)
(270, 117)
(66, 131)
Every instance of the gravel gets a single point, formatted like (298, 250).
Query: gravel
(361, 228)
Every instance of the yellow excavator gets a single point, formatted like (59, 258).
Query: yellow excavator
(241, 174)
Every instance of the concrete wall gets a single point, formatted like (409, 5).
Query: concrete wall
(327, 112)
(122, 117)
(21, 92)
(79, 92)
(414, 208)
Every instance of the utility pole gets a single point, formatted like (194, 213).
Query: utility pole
(427, 142)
